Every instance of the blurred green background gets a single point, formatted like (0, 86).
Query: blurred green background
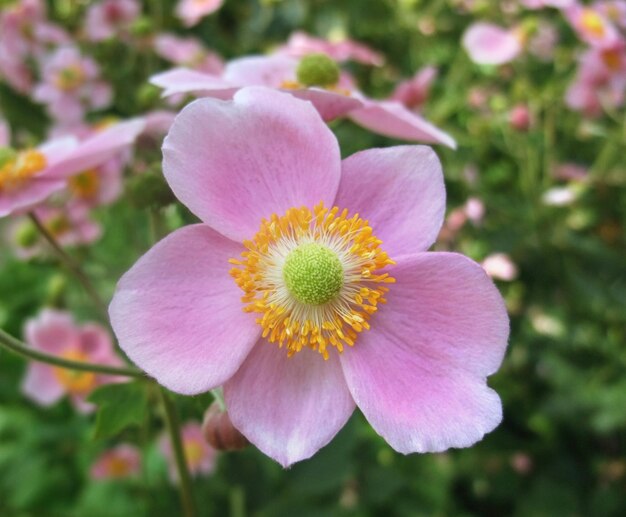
(561, 449)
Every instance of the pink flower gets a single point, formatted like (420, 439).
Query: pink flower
(301, 44)
(389, 118)
(520, 117)
(70, 225)
(110, 18)
(614, 10)
(119, 462)
(28, 177)
(188, 52)
(192, 11)
(538, 4)
(199, 454)
(5, 133)
(409, 336)
(500, 266)
(55, 332)
(71, 85)
(591, 25)
(488, 44)
(413, 92)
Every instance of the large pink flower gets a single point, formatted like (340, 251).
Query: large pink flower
(390, 118)
(29, 177)
(56, 333)
(262, 173)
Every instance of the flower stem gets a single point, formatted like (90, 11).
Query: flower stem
(173, 428)
(72, 265)
(17, 347)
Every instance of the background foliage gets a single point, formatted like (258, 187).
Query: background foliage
(561, 449)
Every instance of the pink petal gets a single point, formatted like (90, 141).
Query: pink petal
(271, 71)
(329, 104)
(183, 80)
(400, 191)
(177, 312)
(419, 374)
(488, 44)
(51, 331)
(289, 407)
(390, 118)
(265, 152)
(41, 385)
(26, 197)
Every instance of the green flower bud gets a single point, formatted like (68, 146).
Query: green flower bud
(27, 235)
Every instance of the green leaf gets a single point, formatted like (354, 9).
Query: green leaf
(119, 406)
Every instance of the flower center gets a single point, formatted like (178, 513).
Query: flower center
(75, 381)
(314, 276)
(18, 167)
(317, 70)
(593, 23)
(70, 78)
(194, 453)
(85, 185)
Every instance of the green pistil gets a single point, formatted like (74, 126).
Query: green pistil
(7, 154)
(313, 274)
(317, 70)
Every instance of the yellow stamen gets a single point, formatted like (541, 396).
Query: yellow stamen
(86, 184)
(15, 172)
(593, 23)
(70, 78)
(284, 318)
(194, 452)
(612, 59)
(75, 381)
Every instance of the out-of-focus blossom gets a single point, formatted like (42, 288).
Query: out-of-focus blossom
(560, 196)
(570, 171)
(489, 44)
(70, 225)
(200, 456)
(56, 333)
(71, 85)
(120, 462)
(301, 44)
(475, 210)
(543, 41)
(5, 133)
(158, 122)
(520, 117)
(110, 18)
(591, 25)
(437, 328)
(521, 463)
(188, 52)
(192, 11)
(413, 92)
(500, 267)
(28, 177)
(539, 4)
(334, 99)
(614, 10)
(600, 80)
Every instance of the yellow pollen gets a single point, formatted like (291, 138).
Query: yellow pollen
(15, 172)
(86, 184)
(593, 23)
(70, 78)
(612, 59)
(118, 467)
(75, 381)
(287, 319)
(295, 85)
(194, 452)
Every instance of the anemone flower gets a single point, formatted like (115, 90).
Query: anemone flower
(307, 289)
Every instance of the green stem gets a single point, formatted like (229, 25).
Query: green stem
(17, 347)
(72, 265)
(173, 427)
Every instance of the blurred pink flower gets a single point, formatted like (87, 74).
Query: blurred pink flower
(500, 267)
(475, 210)
(489, 44)
(539, 4)
(188, 52)
(28, 177)
(55, 332)
(5, 133)
(110, 18)
(300, 44)
(71, 85)
(70, 225)
(200, 456)
(412, 351)
(389, 118)
(614, 10)
(413, 92)
(591, 25)
(520, 117)
(192, 11)
(570, 171)
(543, 41)
(560, 196)
(119, 462)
